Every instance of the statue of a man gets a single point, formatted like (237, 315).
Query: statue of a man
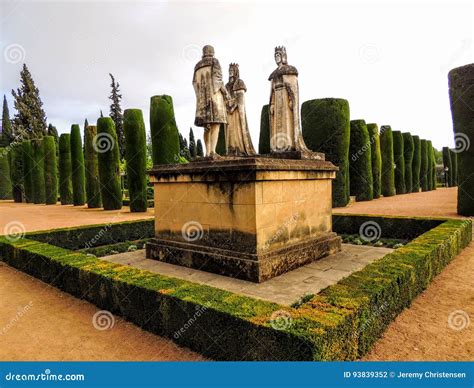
(285, 127)
(211, 98)
(238, 140)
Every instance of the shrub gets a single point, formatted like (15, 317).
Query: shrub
(27, 153)
(408, 150)
(360, 162)
(416, 164)
(37, 168)
(16, 171)
(94, 199)
(388, 173)
(50, 170)
(135, 155)
(264, 139)
(109, 169)
(454, 163)
(326, 128)
(424, 180)
(376, 158)
(433, 169)
(77, 167)
(164, 132)
(461, 94)
(429, 151)
(65, 169)
(5, 179)
(399, 160)
(448, 166)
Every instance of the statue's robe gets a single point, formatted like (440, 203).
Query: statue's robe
(238, 140)
(285, 126)
(209, 87)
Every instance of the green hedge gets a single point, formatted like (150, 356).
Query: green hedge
(408, 150)
(109, 165)
(77, 167)
(264, 138)
(340, 323)
(461, 95)
(429, 150)
(360, 162)
(27, 152)
(433, 169)
(424, 180)
(16, 172)
(91, 160)
(399, 160)
(454, 163)
(164, 132)
(376, 158)
(135, 155)
(65, 169)
(50, 170)
(388, 173)
(416, 164)
(5, 179)
(37, 171)
(448, 167)
(326, 128)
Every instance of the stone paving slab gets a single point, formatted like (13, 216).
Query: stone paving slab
(284, 289)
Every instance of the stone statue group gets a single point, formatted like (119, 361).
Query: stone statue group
(218, 104)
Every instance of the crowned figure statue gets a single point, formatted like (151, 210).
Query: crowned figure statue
(238, 140)
(284, 109)
(211, 98)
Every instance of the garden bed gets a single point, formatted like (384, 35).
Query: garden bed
(339, 323)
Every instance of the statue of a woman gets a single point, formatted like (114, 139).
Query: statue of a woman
(285, 128)
(238, 140)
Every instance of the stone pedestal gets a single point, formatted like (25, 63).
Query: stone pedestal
(250, 218)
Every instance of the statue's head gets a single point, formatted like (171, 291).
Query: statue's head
(280, 55)
(234, 71)
(207, 51)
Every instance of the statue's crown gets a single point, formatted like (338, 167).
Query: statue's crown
(280, 49)
(234, 65)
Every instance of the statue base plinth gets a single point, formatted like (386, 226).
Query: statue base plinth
(251, 218)
(297, 155)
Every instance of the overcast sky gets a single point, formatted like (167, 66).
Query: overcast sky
(389, 60)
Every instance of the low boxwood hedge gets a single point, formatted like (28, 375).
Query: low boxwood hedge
(340, 323)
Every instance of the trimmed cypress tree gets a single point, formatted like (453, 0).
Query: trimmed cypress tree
(37, 176)
(461, 95)
(448, 167)
(192, 144)
(429, 151)
(399, 160)
(109, 166)
(388, 173)
(77, 166)
(415, 188)
(408, 151)
(27, 152)
(5, 180)
(91, 161)
(326, 128)
(16, 171)
(454, 163)
(376, 158)
(50, 170)
(135, 155)
(424, 180)
(164, 132)
(264, 138)
(360, 162)
(65, 169)
(433, 169)
(220, 147)
(200, 150)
